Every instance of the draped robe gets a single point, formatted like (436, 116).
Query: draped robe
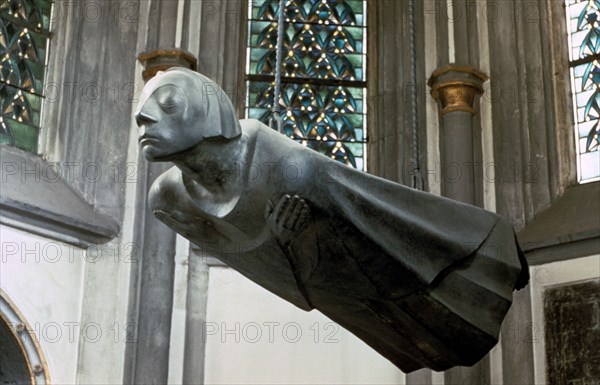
(424, 280)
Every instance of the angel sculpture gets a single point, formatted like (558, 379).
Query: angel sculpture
(424, 280)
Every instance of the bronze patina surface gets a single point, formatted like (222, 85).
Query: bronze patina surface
(424, 280)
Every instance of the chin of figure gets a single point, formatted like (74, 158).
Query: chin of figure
(151, 154)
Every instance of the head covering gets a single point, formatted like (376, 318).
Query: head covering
(217, 110)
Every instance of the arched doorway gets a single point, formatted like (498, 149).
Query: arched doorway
(21, 358)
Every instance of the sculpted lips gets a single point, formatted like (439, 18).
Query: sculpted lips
(145, 139)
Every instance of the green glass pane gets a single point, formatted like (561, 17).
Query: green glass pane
(24, 136)
(342, 12)
(257, 113)
(20, 105)
(23, 57)
(311, 111)
(323, 40)
(33, 13)
(5, 138)
(45, 7)
(23, 39)
(311, 51)
(34, 101)
(587, 101)
(584, 27)
(339, 151)
(355, 148)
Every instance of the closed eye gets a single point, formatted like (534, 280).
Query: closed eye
(169, 105)
(170, 97)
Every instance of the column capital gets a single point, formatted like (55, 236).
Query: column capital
(455, 86)
(163, 59)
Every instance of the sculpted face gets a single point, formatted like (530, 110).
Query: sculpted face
(168, 119)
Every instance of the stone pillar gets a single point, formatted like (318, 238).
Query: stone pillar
(209, 35)
(152, 279)
(455, 88)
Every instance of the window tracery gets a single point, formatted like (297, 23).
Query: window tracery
(24, 35)
(323, 90)
(584, 61)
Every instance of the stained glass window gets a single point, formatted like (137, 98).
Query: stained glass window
(323, 90)
(584, 55)
(24, 34)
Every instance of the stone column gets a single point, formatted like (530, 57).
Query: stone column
(176, 33)
(152, 279)
(455, 88)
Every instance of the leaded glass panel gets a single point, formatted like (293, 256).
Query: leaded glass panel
(584, 52)
(24, 33)
(323, 73)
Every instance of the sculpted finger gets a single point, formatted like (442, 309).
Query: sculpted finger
(295, 212)
(301, 215)
(268, 209)
(281, 208)
(304, 216)
(288, 212)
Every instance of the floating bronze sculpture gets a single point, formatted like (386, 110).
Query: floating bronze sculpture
(424, 280)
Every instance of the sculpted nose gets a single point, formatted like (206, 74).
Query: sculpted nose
(142, 117)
